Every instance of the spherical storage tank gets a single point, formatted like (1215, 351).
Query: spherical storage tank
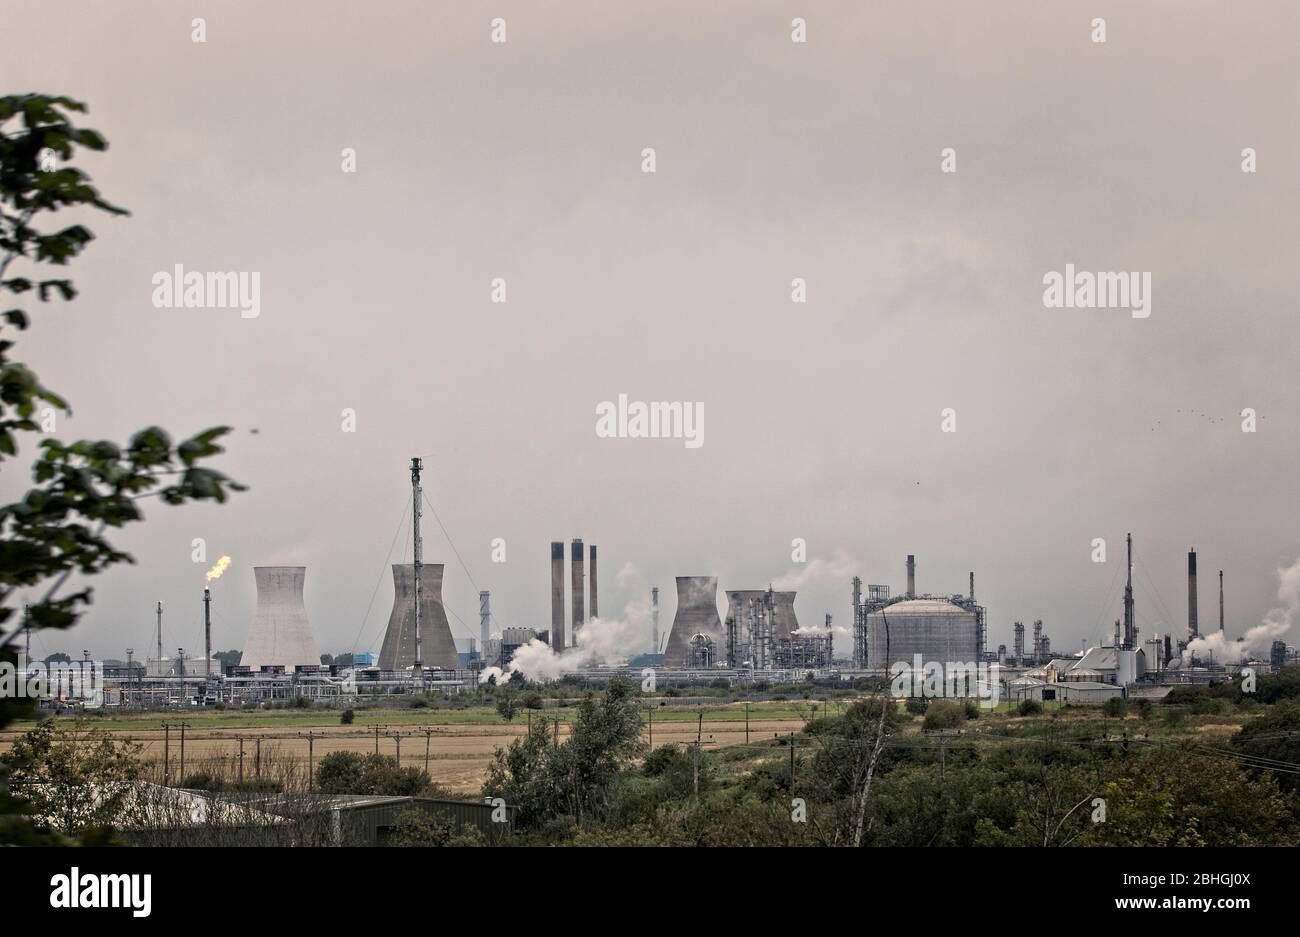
(936, 629)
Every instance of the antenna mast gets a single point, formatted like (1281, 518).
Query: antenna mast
(160, 633)
(415, 515)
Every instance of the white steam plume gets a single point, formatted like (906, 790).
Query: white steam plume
(1256, 641)
(607, 642)
(839, 569)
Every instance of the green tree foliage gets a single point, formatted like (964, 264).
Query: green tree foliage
(354, 773)
(1283, 685)
(1115, 707)
(346, 717)
(1029, 707)
(944, 714)
(1273, 736)
(415, 827)
(74, 780)
(578, 778)
(507, 704)
(84, 487)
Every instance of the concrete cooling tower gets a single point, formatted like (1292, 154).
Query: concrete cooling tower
(398, 652)
(280, 633)
(783, 615)
(697, 613)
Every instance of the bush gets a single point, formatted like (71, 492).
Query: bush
(663, 759)
(916, 705)
(354, 773)
(346, 717)
(531, 700)
(1115, 707)
(1030, 707)
(944, 714)
(972, 709)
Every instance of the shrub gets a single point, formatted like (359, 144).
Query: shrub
(346, 717)
(972, 709)
(944, 714)
(1030, 707)
(916, 705)
(1115, 707)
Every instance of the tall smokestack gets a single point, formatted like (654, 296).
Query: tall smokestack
(207, 633)
(160, 632)
(1220, 600)
(654, 619)
(557, 596)
(484, 619)
(972, 587)
(577, 585)
(1192, 628)
(911, 574)
(1130, 614)
(592, 551)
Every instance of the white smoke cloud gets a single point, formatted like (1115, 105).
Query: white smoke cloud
(837, 570)
(601, 642)
(1257, 641)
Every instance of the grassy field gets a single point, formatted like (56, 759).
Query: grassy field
(455, 746)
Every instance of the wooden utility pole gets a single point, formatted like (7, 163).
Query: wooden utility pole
(428, 734)
(746, 722)
(181, 776)
(311, 759)
(241, 761)
(695, 762)
(944, 736)
(167, 772)
(791, 762)
(397, 739)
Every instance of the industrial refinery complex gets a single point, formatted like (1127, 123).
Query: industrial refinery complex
(756, 636)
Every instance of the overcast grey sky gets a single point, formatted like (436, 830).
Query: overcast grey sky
(775, 160)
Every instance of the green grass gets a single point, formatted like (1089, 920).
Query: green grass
(430, 716)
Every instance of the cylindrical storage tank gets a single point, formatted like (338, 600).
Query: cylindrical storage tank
(938, 630)
(280, 634)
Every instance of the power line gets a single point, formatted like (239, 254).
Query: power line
(405, 507)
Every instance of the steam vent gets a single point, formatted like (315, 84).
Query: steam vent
(697, 613)
(280, 634)
(398, 652)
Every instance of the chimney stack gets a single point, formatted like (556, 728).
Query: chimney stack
(654, 619)
(207, 633)
(578, 585)
(972, 586)
(484, 619)
(1192, 629)
(594, 613)
(557, 596)
(1220, 600)
(911, 575)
